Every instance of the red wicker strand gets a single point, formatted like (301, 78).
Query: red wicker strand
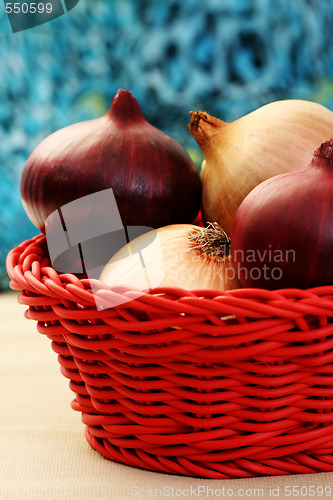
(201, 383)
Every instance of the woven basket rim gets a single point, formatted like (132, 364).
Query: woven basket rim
(73, 281)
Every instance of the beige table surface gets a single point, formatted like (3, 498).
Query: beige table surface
(44, 454)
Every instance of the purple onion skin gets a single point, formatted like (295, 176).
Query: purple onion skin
(290, 215)
(153, 178)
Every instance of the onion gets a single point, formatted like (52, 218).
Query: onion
(179, 255)
(282, 235)
(276, 138)
(153, 178)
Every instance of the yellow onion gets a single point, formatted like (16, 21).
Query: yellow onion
(180, 255)
(277, 138)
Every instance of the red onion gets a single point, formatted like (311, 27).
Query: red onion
(154, 181)
(282, 235)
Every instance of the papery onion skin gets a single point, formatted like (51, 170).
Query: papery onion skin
(153, 178)
(178, 264)
(286, 225)
(277, 138)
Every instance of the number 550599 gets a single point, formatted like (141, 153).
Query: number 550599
(28, 8)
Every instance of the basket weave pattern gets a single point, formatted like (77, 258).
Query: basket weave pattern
(206, 383)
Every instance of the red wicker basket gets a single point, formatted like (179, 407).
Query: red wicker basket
(206, 383)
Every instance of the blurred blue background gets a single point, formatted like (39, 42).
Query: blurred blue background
(223, 56)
